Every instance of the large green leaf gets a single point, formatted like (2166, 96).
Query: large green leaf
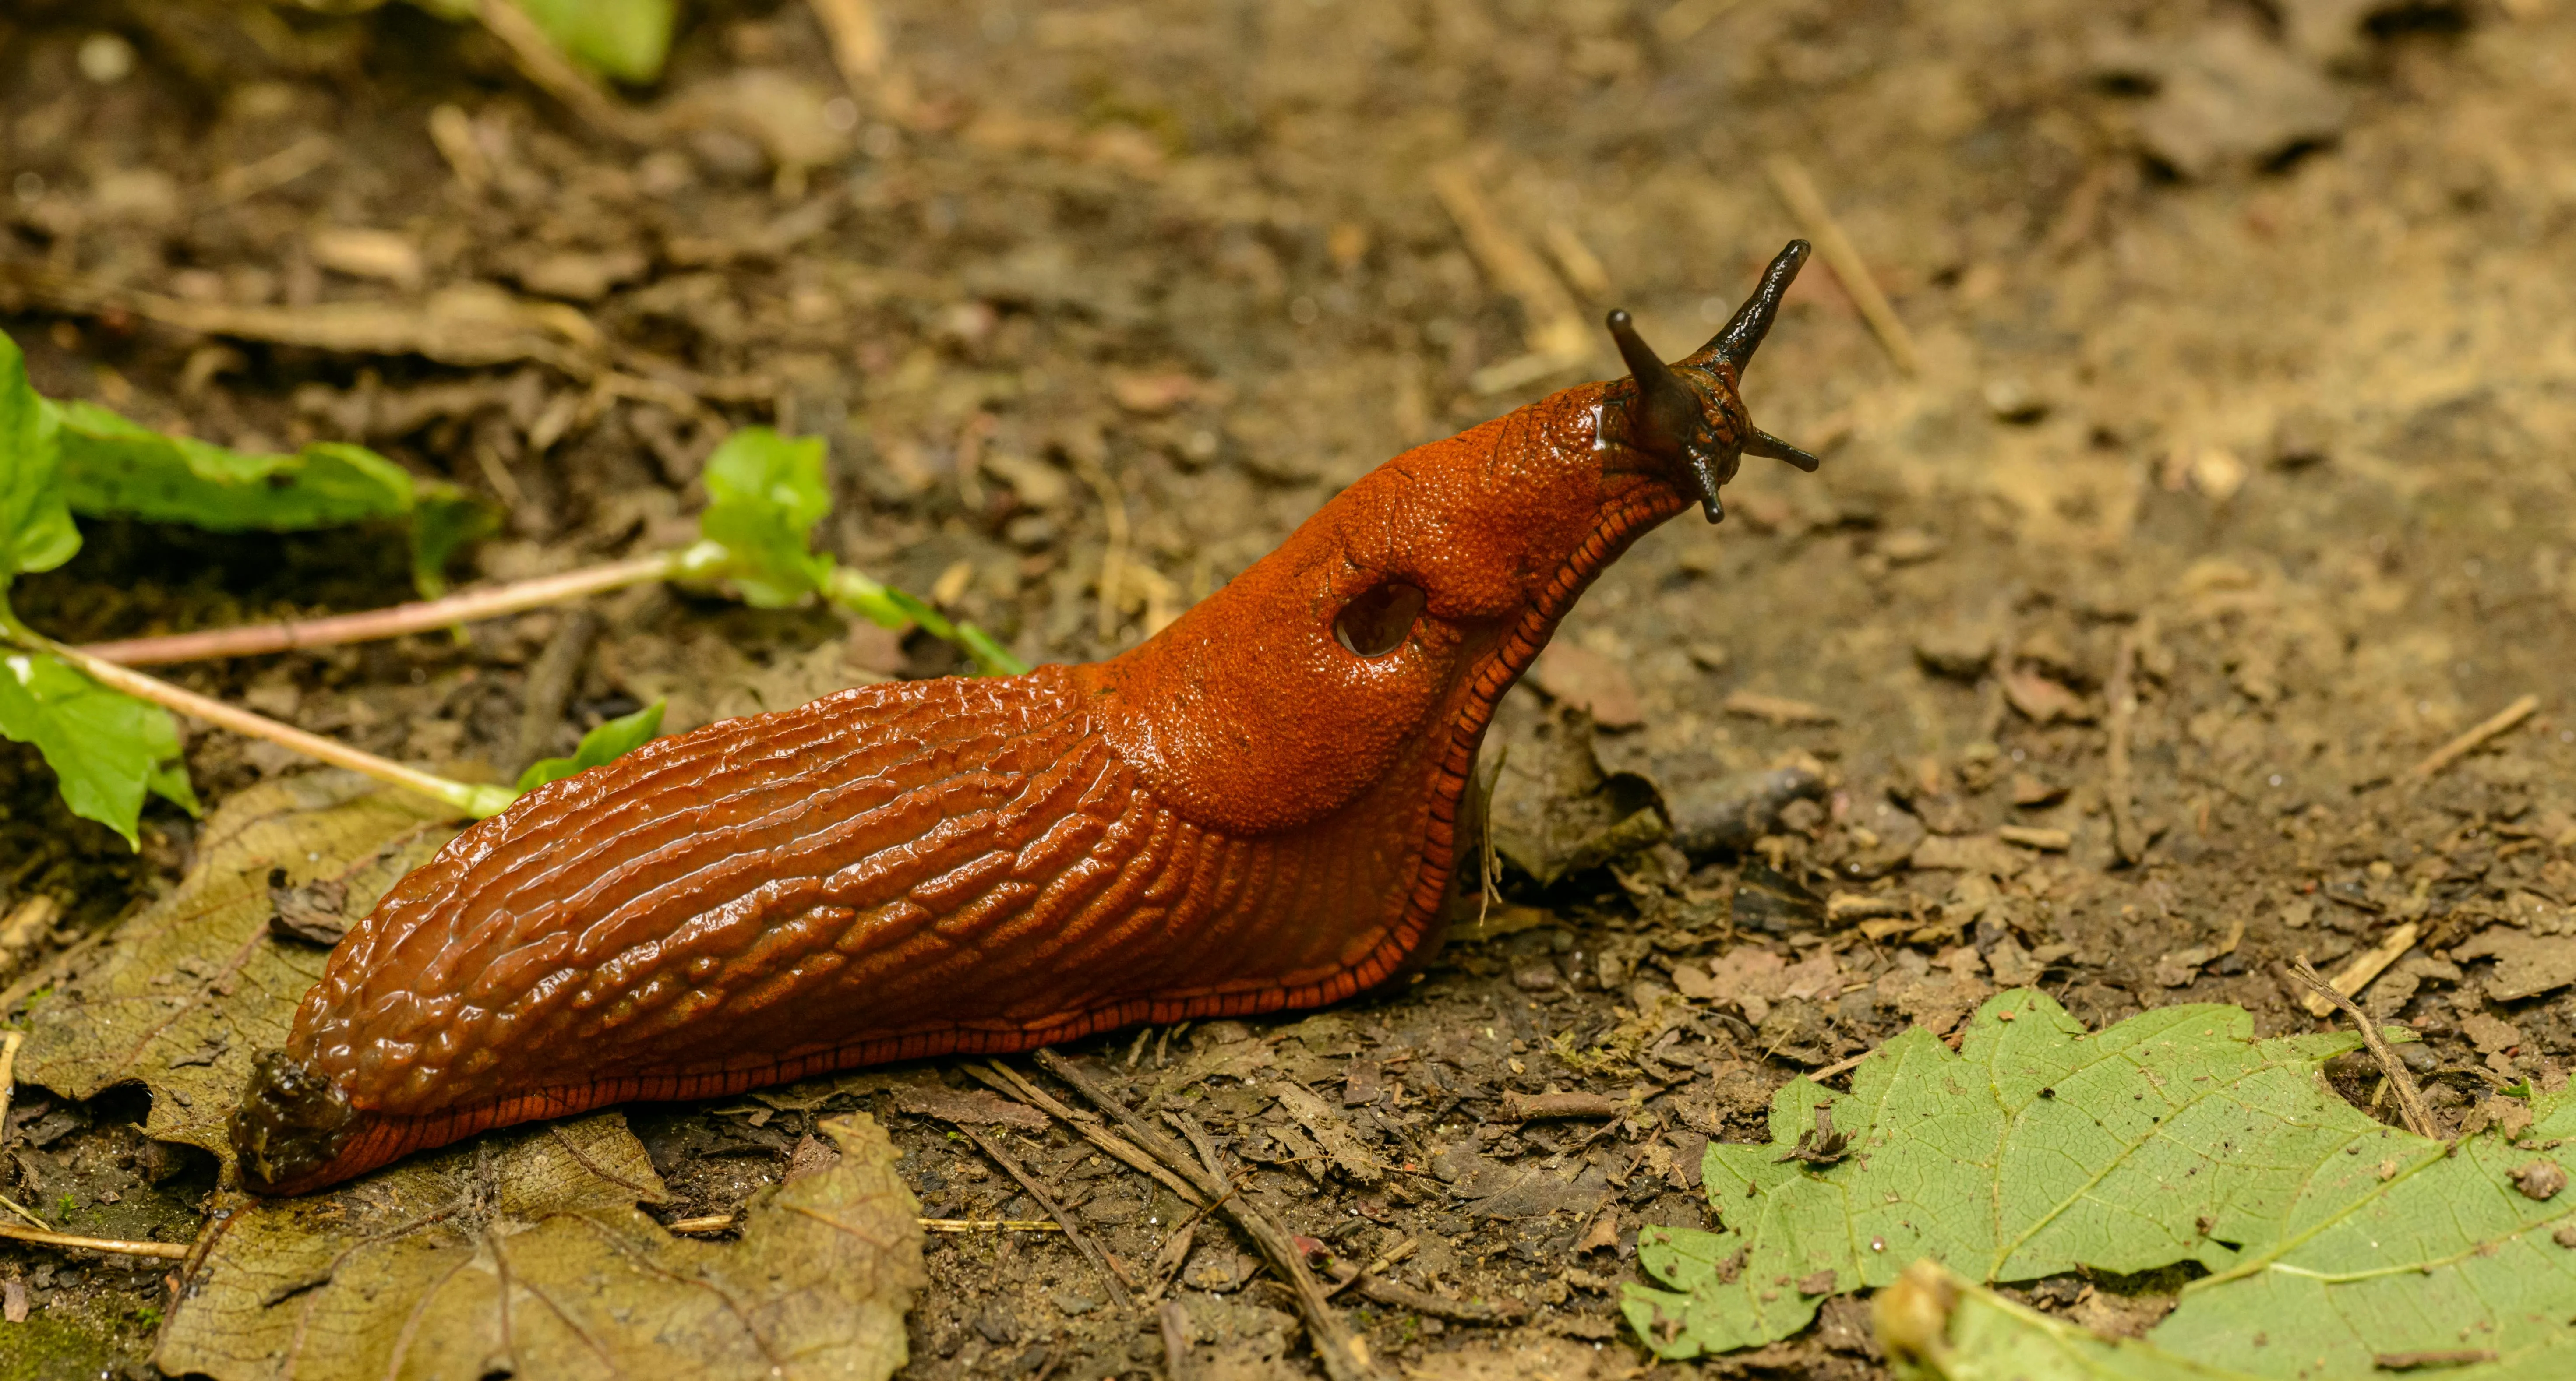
(764, 494)
(113, 467)
(602, 745)
(2175, 1136)
(106, 748)
(36, 532)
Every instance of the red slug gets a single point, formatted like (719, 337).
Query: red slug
(1257, 809)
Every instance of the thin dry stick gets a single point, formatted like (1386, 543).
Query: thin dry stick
(166, 1251)
(1176, 1341)
(538, 59)
(2469, 742)
(2410, 1099)
(476, 801)
(858, 42)
(1798, 192)
(421, 616)
(989, 1225)
(1113, 558)
(1081, 1240)
(2122, 692)
(2367, 965)
(1008, 1081)
(1340, 1350)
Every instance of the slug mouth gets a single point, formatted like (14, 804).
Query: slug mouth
(1688, 414)
(291, 1125)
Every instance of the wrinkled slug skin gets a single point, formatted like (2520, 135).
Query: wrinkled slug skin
(1241, 815)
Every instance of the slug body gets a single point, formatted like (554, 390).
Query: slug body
(1257, 809)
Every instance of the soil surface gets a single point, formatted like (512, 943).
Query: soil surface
(2234, 444)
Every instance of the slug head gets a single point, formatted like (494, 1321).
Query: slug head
(1362, 657)
(291, 1123)
(1689, 414)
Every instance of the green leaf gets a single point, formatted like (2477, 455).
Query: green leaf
(443, 522)
(36, 532)
(1936, 1326)
(2175, 1136)
(603, 745)
(106, 748)
(113, 467)
(627, 39)
(764, 494)
(991, 658)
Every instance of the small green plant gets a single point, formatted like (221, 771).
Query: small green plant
(606, 744)
(106, 730)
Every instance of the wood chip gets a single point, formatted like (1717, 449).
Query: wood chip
(2034, 837)
(1778, 709)
(1531, 1107)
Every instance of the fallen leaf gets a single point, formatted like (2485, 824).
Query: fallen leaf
(979, 1107)
(2526, 965)
(524, 1254)
(1351, 1155)
(2175, 1136)
(1580, 678)
(202, 969)
(2043, 701)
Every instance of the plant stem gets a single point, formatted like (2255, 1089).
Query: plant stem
(418, 617)
(476, 801)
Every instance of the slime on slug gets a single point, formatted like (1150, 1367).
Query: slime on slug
(1259, 808)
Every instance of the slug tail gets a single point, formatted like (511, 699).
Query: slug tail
(292, 1124)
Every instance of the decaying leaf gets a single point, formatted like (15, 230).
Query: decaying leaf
(2174, 1136)
(1554, 811)
(188, 991)
(524, 1254)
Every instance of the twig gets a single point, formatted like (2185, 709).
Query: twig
(1558, 337)
(550, 683)
(1004, 1079)
(1843, 1066)
(1113, 556)
(858, 42)
(1029, 1183)
(420, 616)
(2410, 1098)
(2468, 742)
(2122, 693)
(1385, 1262)
(9, 1074)
(1176, 1341)
(475, 801)
(1387, 1292)
(1798, 192)
(538, 59)
(989, 1225)
(703, 1224)
(2367, 965)
(1340, 1350)
(166, 1251)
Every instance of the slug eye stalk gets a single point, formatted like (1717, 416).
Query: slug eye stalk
(1690, 412)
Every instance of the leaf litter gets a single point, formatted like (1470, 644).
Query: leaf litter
(195, 985)
(525, 1254)
(2329, 1241)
